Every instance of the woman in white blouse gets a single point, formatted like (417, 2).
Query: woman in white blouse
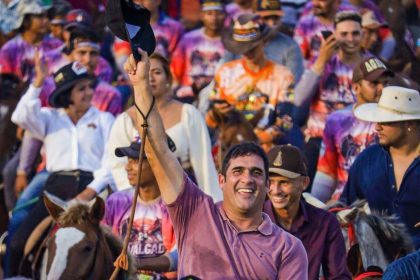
(75, 135)
(183, 123)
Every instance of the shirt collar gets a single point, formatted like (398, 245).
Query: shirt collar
(265, 228)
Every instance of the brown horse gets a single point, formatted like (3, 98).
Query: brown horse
(233, 129)
(81, 248)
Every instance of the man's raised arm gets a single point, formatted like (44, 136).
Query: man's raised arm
(165, 166)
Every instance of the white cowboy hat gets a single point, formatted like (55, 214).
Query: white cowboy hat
(29, 7)
(396, 104)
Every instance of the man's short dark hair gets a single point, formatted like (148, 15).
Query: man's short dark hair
(347, 15)
(244, 149)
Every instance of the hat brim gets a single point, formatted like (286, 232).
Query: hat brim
(371, 112)
(378, 73)
(284, 173)
(242, 47)
(64, 88)
(279, 13)
(127, 152)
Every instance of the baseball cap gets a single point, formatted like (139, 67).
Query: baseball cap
(133, 151)
(212, 5)
(78, 18)
(287, 161)
(370, 69)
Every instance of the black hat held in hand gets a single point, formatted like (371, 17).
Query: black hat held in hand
(131, 22)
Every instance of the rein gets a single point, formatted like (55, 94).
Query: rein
(351, 231)
(122, 261)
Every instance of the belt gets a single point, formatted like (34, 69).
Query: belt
(72, 173)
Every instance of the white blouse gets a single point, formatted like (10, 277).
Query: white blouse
(192, 143)
(68, 146)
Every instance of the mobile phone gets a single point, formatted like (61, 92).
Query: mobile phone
(326, 34)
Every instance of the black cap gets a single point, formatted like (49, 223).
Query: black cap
(133, 151)
(65, 78)
(131, 22)
(287, 161)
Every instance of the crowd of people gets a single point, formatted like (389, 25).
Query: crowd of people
(327, 92)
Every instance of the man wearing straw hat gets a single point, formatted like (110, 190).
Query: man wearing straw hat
(388, 174)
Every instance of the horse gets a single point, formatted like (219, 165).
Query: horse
(373, 239)
(80, 247)
(233, 128)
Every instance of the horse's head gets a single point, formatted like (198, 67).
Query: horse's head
(77, 247)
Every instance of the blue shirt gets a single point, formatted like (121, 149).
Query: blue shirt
(407, 267)
(371, 177)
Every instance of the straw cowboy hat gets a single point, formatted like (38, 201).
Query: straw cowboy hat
(245, 34)
(396, 104)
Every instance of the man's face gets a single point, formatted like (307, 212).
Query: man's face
(87, 56)
(147, 177)
(349, 36)
(244, 186)
(370, 38)
(285, 192)
(272, 21)
(391, 133)
(322, 8)
(370, 92)
(256, 54)
(213, 20)
(39, 24)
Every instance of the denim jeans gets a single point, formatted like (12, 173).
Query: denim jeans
(24, 205)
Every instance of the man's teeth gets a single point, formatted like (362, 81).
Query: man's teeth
(246, 191)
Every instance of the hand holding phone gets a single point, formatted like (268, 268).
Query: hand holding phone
(326, 34)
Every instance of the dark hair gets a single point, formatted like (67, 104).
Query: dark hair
(347, 15)
(26, 23)
(244, 149)
(165, 65)
(63, 100)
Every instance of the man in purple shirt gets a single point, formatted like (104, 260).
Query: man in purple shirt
(232, 239)
(318, 230)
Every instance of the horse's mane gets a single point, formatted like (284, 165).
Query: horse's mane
(391, 233)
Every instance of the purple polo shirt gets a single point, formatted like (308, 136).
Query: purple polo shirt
(210, 247)
(321, 236)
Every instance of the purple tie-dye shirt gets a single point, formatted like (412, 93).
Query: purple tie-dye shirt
(17, 56)
(344, 138)
(197, 56)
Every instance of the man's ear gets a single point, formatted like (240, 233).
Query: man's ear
(355, 87)
(222, 180)
(305, 182)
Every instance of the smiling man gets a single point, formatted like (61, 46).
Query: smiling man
(232, 239)
(318, 230)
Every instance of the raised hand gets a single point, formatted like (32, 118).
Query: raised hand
(41, 70)
(138, 72)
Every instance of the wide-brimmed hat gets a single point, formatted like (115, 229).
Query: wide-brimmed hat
(29, 7)
(287, 161)
(131, 22)
(268, 8)
(245, 34)
(65, 78)
(396, 104)
(370, 69)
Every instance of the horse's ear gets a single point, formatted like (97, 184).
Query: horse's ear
(54, 205)
(97, 210)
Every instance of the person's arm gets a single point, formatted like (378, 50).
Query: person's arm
(200, 154)
(325, 180)
(165, 166)
(294, 262)
(334, 262)
(352, 190)
(306, 88)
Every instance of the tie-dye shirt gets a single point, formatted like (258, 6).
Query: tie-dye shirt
(57, 59)
(334, 92)
(167, 32)
(344, 138)
(152, 234)
(234, 80)
(17, 56)
(106, 98)
(197, 56)
(308, 33)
